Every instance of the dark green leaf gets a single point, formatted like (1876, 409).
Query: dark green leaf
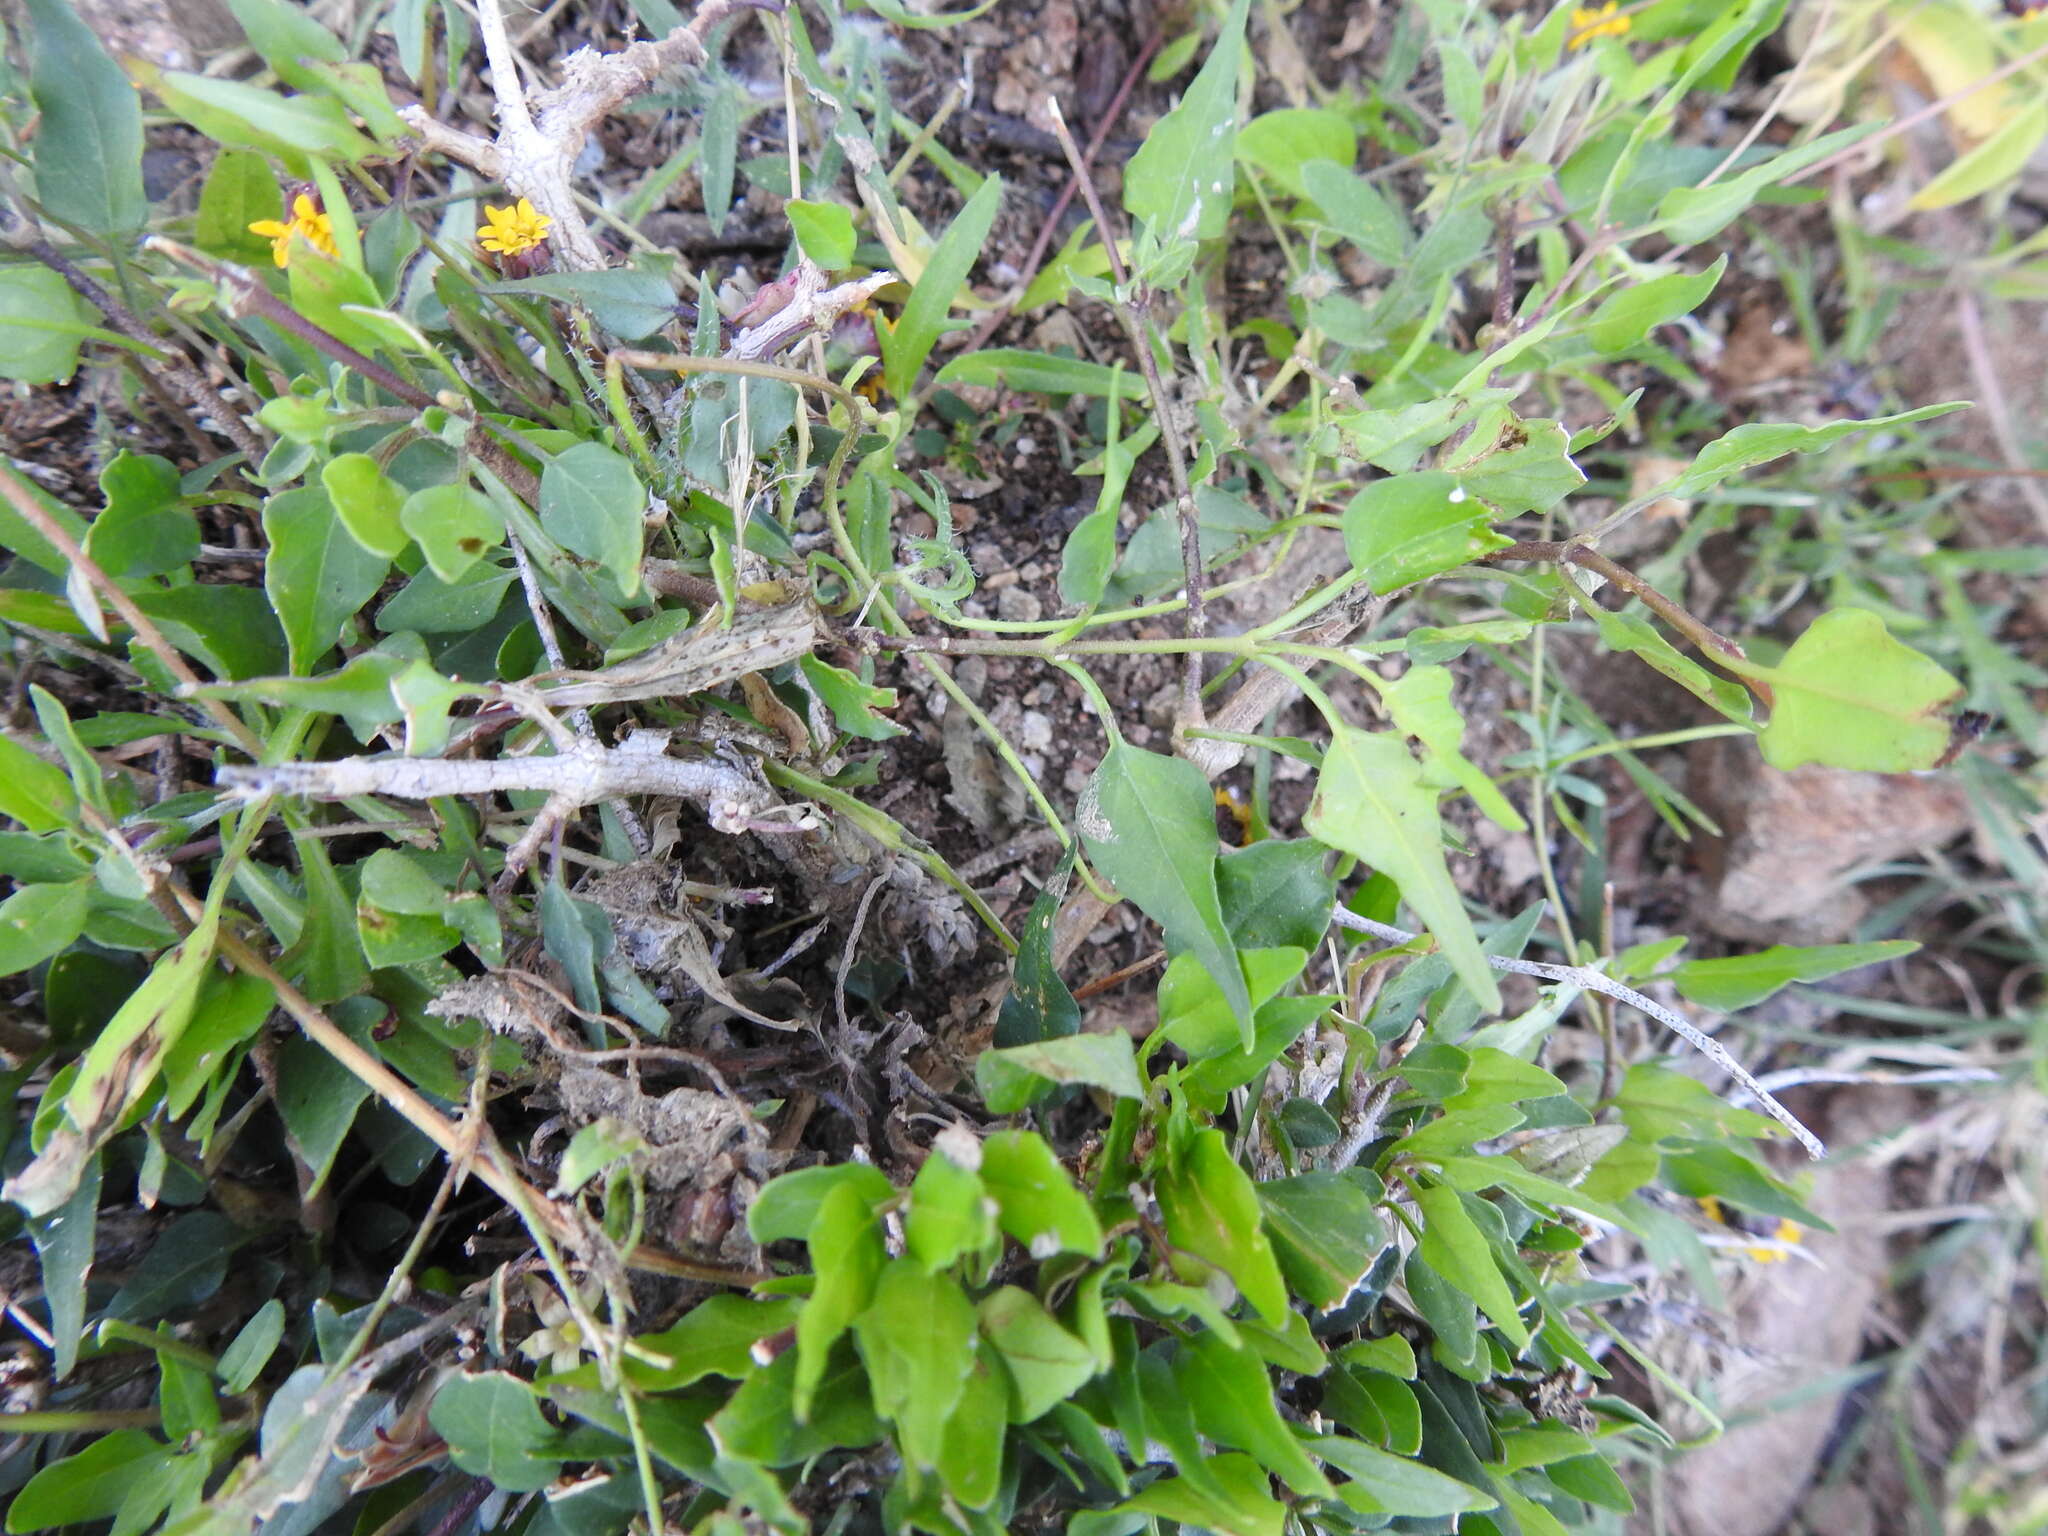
(1150, 825)
(88, 145)
(1211, 1209)
(1276, 893)
(592, 504)
(1038, 1005)
(630, 302)
(317, 575)
(1325, 1234)
(494, 1429)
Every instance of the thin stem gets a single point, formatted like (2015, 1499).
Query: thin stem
(1129, 315)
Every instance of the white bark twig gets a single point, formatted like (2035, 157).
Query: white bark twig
(537, 143)
(582, 772)
(1594, 981)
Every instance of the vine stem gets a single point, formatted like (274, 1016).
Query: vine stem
(1594, 981)
(1130, 314)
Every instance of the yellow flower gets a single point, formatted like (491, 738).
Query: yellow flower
(512, 230)
(307, 221)
(1589, 22)
(1786, 1233)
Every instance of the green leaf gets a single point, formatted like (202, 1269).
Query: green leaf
(1019, 1076)
(1231, 1393)
(1420, 703)
(88, 144)
(1410, 527)
(91, 1483)
(917, 1341)
(846, 1257)
(38, 921)
(1239, 1505)
(1757, 443)
(759, 1423)
(1380, 1484)
(950, 1215)
(1848, 695)
(249, 117)
(1631, 632)
(1742, 981)
(251, 1348)
(289, 40)
(1036, 1202)
(1658, 1104)
(630, 302)
(317, 576)
(368, 502)
(1041, 373)
(64, 1247)
(41, 325)
(788, 1205)
(1355, 209)
(494, 1429)
(240, 191)
(715, 1338)
(824, 230)
(318, 1097)
(1149, 823)
(1281, 142)
(1325, 1233)
(1276, 893)
(1514, 465)
(33, 792)
(1047, 1364)
(1038, 1005)
(854, 703)
(1989, 165)
(454, 525)
(1625, 318)
(1180, 180)
(1392, 1354)
(185, 1267)
(1726, 1174)
(907, 343)
(592, 504)
(1212, 1211)
(1689, 215)
(1371, 802)
(1456, 1249)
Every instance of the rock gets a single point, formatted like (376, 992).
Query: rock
(1780, 872)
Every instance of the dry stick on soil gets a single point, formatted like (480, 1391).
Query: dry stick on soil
(24, 502)
(183, 377)
(1130, 315)
(1594, 981)
(535, 151)
(1111, 116)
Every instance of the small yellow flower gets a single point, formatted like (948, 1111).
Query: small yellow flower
(307, 221)
(512, 230)
(1590, 22)
(1786, 1233)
